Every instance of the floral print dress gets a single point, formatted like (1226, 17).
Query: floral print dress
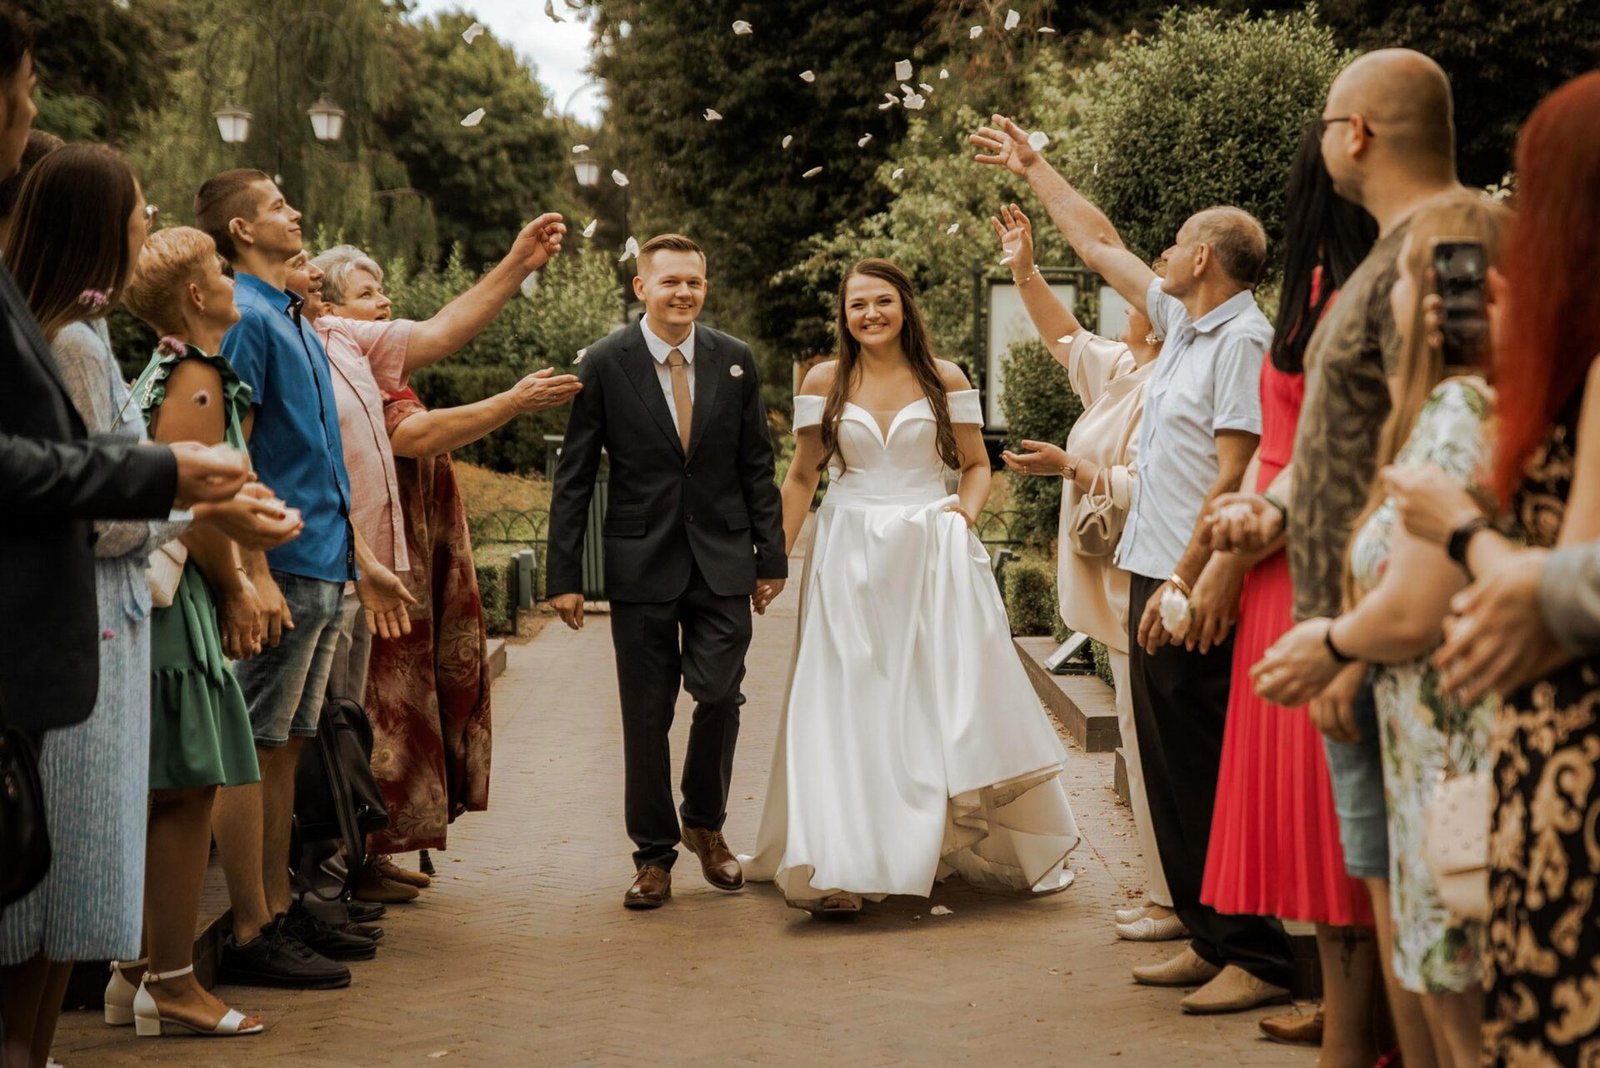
(1425, 734)
(1543, 961)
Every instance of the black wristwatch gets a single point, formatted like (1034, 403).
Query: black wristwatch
(1461, 539)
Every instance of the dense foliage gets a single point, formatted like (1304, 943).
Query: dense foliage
(1038, 406)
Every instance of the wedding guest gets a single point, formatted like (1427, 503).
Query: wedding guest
(1544, 924)
(1401, 588)
(1110, 378)
(80, 225)
(428, 697)
(296, 448)
(39, 145)
(200, 727)
(1201, 423)
(1258, 862)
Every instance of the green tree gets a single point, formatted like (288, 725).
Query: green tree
(487, 180)
(729, 183)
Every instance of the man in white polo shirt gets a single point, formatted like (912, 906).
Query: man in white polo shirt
(1202, 420)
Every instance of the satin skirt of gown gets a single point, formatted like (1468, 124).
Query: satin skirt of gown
(911, 745)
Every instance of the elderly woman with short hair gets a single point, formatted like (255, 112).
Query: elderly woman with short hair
(413, 681)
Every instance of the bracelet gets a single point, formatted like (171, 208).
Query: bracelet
(1334, 651)
(1283, 509)
(1461, 540)
(1069, 470)
(1025, 279)
(1183, 587)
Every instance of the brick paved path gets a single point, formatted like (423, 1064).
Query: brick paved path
(522, 955)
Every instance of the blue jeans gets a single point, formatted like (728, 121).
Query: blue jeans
(1356, 769)
(286, 684)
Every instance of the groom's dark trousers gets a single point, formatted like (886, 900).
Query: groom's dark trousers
(686, 535)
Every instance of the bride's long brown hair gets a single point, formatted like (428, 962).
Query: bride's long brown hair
(919, 354)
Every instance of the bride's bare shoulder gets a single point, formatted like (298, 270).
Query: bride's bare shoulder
(819, 380)
(954, 378)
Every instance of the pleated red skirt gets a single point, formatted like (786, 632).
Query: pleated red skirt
(1274, 833)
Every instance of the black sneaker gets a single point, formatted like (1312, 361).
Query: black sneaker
(365, 911)
(366, 930)
(330, 941)
(272, 958)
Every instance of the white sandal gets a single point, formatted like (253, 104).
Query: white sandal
(120, 993)
(149, 1023)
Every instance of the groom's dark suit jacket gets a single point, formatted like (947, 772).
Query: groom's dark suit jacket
(53, 480)
(716, 507)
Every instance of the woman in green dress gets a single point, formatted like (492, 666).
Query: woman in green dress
(200, 727)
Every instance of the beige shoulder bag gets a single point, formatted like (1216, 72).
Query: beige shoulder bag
(1455, 841)
(1096, 520)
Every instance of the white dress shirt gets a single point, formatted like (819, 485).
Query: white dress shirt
(660, 350)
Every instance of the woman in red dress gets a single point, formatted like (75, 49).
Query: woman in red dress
(1274, 847)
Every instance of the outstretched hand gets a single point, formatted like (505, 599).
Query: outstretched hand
(1037, 458)
(1016, 239)
(1005, 144)
(539, 241)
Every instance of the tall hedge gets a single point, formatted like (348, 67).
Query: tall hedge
(1039, 405)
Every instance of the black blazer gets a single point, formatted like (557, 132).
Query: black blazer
(717, 507)
(53, 481)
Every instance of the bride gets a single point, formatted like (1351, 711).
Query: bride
(911, 745)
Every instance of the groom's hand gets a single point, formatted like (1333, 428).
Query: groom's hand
(569, 606)
(767, 591)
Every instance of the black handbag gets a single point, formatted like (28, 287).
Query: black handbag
(336, 795)
(24, 835)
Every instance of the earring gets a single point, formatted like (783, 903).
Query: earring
(1151, 338)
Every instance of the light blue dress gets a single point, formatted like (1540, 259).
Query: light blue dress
(96, 774)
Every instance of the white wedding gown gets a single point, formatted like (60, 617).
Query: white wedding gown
(912, 745)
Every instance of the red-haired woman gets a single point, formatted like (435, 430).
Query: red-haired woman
(1544, 924)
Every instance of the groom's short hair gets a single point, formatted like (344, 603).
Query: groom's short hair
(670, 243)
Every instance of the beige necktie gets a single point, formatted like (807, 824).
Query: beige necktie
(680, 395)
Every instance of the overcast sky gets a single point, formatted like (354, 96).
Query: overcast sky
(558, 52)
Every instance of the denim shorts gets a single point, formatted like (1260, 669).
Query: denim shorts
(1356, 769)
(286, 685)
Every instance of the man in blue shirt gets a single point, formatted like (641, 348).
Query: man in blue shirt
(1202, 420)
(296, 589)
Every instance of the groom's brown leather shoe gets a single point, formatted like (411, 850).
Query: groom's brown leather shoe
(651, 888)
(717, 861)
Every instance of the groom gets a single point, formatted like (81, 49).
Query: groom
(693, 538)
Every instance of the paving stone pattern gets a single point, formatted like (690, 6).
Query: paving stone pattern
(521, 953)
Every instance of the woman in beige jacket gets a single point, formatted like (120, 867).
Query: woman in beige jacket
(1110, 377)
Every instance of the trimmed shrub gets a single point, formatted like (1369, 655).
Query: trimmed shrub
(1102, 663)
(1038, 405)
(1030, 597)
(494, 585)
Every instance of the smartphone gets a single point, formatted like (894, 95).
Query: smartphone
(1459, 272)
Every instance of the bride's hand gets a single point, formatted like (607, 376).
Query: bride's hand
(1016, 239)
(964, 514)
(1040, 458)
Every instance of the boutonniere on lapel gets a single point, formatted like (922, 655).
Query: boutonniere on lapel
(736, 371)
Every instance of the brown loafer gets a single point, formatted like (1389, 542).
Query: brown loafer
(1294, 1028)
(651, 888)
(717, 861)
(371, 886)
(395, 873)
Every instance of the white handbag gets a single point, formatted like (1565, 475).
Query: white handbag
(1455, 842)
(166, 571)
(1096, 520)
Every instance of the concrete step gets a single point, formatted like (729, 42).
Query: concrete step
(1083, 704)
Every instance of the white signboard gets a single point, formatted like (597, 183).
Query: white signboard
(1008, 324)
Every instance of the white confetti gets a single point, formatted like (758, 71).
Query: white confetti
(578, 150)
(812, 173)
(975, 33)
(594, 224)
(1097, 169)
(899, 172)
(914, 101)
(741, 28)
(953, 228)
(550, 11)
(887, 104)
(630, 249)
(436, 1054)
(940, 910)
(864, 140)
(788, 139)
(808, 75)
(736, 371)
(902, 70)
(579, 359)
(474, 118)
(1012, 20)
(619, 177)
(1037, 140)
(925, 87)
(1064, 339)
(472, 33)
(904, 88)
(1048, 29)
(713, 115)
(944, 74)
